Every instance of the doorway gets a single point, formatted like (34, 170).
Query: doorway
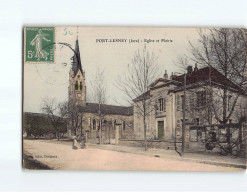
(161, 129)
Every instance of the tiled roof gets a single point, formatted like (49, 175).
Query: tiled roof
(108, 109)
(205, 74)
(145, 95)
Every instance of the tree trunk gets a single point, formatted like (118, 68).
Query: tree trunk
(224, 106)
(57, 133)
(100, 132)
(241, 145)
(109, 134)
(145, 133)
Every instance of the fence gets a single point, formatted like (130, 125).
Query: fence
(223, 138)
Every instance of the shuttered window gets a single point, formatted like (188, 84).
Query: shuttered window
(200, 98)
(192, 102)
(94, 124)
(178, 102)
(162, 104)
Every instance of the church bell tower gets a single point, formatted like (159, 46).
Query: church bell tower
(77, 85)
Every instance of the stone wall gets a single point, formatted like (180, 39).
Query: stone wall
(108, 126)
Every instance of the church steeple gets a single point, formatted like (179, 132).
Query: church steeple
(77, 84)
(76, 59)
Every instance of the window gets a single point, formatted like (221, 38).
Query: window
(192, 104)
(81, 86)
(229, 105)
(184, 104)
(201, 98)
(182, 121)
(123, 125)
(197, 121)
(94, 124)
(76, 85)
(98, 123)
(110, 122)
(162, 104)
(178, 102)
(182, 98)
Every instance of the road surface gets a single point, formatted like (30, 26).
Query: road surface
(63, 157)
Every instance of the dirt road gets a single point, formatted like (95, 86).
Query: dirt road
(59, 156)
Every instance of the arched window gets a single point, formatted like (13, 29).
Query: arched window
(123, 125)
(94, 124)
(81, 86)
(76, 85)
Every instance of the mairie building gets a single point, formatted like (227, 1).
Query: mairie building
(165, 112)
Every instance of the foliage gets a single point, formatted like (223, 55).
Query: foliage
(56, 113)
(37, 125)
(225, 50)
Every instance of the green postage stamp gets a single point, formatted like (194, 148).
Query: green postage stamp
(39, 44)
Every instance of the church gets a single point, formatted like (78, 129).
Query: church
(88, 122)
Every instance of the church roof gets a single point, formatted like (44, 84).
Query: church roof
(108, 109)
(76, 59)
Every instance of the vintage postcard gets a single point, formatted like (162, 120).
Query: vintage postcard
(134, 98)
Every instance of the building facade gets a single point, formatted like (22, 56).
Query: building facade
(202, 90)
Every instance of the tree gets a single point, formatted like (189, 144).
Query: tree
(56, 113)
(37, 125)
(142, 71)
(75, 115)
(99, 94)
(225, 50)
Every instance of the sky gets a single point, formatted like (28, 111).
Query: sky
(51, 79)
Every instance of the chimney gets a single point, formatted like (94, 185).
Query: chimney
(195, 69)
(166, 75)
(189, 69)
(172, 76)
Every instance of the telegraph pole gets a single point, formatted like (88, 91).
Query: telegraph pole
(184, 105)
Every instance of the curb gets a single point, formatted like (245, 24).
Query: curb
(216, 163)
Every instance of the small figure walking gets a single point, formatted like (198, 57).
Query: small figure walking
(74, 143)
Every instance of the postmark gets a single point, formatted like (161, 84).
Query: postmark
(54, 73)
(38, 45)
